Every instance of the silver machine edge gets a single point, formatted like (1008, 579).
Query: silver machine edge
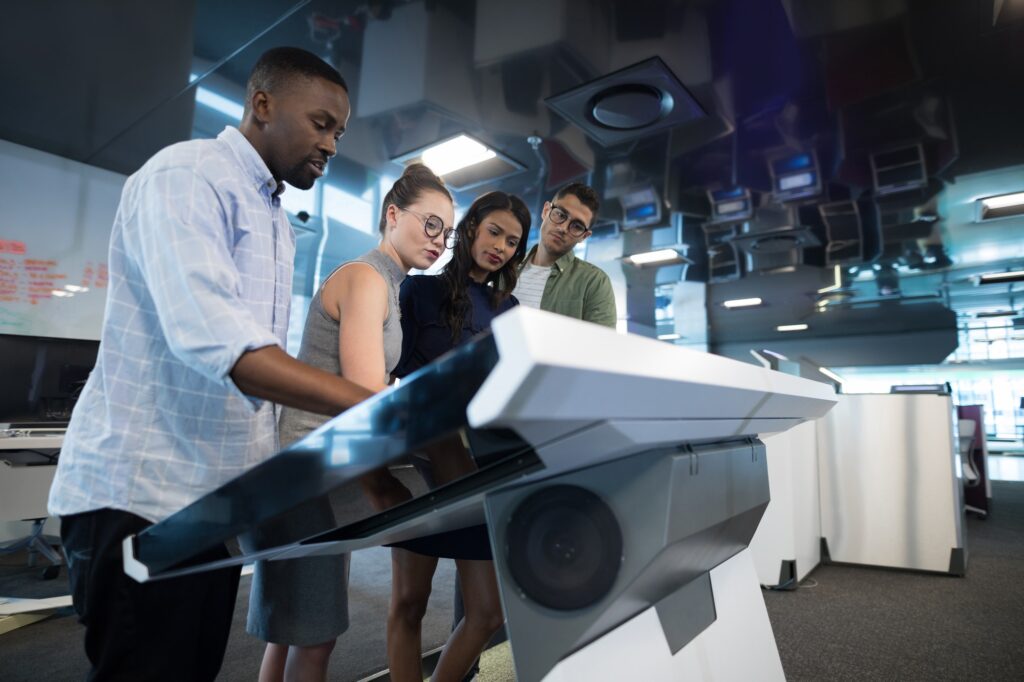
(614, 472)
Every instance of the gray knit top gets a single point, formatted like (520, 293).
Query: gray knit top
(320, 341)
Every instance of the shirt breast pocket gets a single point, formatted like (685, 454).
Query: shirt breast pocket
(571, 307)
(253, 255)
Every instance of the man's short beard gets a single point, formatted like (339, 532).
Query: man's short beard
(297, 175)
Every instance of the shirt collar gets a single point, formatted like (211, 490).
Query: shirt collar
(562, 263)
(251, 161)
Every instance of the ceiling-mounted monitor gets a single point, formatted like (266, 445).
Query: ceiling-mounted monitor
(732, 204)
(899, 170)
(795, 177)
(641, 207)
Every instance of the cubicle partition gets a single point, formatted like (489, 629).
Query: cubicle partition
(787, 545)
(891, 492)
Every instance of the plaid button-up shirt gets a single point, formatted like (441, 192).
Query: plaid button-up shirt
(201, 257)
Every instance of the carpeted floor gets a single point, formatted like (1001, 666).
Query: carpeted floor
(858, 623)
(51, 650)
(845, 623)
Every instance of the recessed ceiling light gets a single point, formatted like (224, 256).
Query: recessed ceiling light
(742, 302)
(659, 257)
(1002, 206)
(455, 154)
(995, 277)
(791, 327)
(463, 161)
(211, 100)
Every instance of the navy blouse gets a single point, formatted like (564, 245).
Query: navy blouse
(425, 336)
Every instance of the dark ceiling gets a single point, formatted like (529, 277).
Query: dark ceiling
(107, 83)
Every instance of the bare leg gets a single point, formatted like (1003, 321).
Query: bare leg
(483, 618)
(411, 575)
(383, 489)
(274, 657)
(308, 663)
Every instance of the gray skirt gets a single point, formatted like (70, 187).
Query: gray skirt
(298, 602)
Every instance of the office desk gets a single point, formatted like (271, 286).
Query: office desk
(27, 466)
(47, 442)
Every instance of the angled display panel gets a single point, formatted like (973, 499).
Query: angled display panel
(615, 473)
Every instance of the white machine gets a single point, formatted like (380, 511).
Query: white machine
(621, 479)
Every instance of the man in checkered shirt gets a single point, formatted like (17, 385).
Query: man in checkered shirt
(191, 365)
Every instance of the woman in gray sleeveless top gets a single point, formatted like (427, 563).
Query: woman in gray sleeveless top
(353, 328)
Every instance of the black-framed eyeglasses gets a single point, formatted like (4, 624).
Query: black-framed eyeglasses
(434, 226)
(559, 215)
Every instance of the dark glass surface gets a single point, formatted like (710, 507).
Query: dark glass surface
(427, 411)
(42, 377)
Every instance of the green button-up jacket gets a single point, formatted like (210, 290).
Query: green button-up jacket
(578, 289)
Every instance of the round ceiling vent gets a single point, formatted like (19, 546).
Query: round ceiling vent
(629, 106)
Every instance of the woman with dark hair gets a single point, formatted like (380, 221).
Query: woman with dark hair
(439, 313)
(300, 606)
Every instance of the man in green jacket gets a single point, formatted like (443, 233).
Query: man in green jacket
(551, 277)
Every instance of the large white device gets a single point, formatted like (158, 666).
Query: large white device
(620, 477)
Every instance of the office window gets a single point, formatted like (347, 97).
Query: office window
(296, 323)
(294, 200)
(349, 209)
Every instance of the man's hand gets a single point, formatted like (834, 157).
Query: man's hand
(272, 374)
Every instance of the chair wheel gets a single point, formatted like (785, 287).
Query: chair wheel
(51, 572)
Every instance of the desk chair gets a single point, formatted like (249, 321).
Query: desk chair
(25, 479)
(968, 433)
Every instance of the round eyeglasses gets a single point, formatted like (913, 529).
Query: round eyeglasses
(433, 226)
(559, 215)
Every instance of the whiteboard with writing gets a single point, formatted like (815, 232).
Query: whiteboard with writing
(55, 221)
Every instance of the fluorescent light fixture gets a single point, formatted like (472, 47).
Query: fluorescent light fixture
(463, 161)
(210, 99)
(60, 293)
(75, 289)
(1004, 200)
(669, 337)
(742, 302)
(661, 256)
(1002, 206)
(994, 277)
(831, 375)
(455, 154)
(791, 328)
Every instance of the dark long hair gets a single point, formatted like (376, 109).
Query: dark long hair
(455, 275)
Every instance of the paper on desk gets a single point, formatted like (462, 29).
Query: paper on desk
(10, 606)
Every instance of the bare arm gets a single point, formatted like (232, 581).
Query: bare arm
(357, 296)
(272, 374)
